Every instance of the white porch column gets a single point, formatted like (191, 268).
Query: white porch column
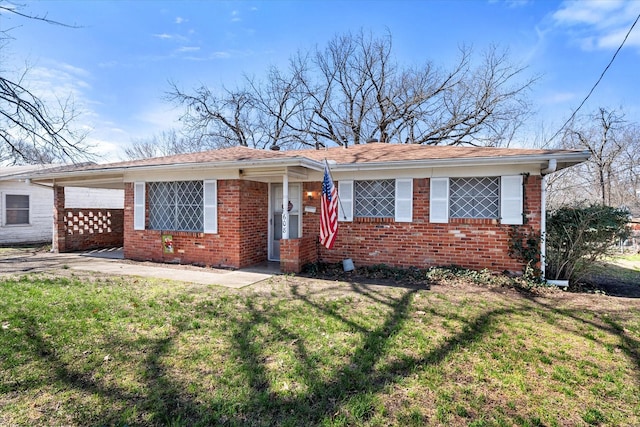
(543, 228)
(285, 206)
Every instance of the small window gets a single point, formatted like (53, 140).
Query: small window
(17, 210)
(375, 199)
(474, 197)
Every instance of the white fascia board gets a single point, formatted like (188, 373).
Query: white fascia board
(88, 175)
(566, 159)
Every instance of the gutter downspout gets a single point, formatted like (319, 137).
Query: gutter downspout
(551, 167)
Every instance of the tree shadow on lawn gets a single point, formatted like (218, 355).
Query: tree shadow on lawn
(596, 318)
(165, 402)
(614, 280)
(345, 392)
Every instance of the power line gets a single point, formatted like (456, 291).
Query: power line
(573, 115)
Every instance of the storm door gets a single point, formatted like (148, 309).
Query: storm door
(275, 220)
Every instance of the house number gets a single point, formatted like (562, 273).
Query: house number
(289, 206)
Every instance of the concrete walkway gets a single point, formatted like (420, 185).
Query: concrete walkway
(112, 264)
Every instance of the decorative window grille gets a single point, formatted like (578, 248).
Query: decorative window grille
(375, 199)
(474, 197)
(17, 210)
(176, 206)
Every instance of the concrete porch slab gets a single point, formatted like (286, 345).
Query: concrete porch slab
(45, 261)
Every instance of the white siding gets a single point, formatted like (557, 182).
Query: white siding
(40, 227)
(96, 198)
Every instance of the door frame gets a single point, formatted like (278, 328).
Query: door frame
(270, 221)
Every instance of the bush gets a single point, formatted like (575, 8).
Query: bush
(578, 236)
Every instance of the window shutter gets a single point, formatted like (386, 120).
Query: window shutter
(210, 206)
(439, 200)
(345, 200)
(138, 206)
(511, 200)
(404, 200)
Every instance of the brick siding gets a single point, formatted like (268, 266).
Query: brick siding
(242, 231)
(81, 229)
(469, 243)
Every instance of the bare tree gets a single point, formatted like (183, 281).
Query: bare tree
(352, 91)
(164, 144)
(612, 175)
(277, 103)
(598, 134)
(30, 130)
(223, 119)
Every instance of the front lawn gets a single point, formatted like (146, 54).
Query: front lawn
(295, 351)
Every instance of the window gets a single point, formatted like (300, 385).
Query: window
(474, 197)
(386, 198)
(375, 199)
(176, 206)
(16, 209)
(482, 197)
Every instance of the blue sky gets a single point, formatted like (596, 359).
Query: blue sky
(118, 63)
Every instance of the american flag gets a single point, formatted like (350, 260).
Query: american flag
(328, 211)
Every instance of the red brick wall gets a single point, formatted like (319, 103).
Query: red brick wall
(242, 231)
(93, 228)
(58, 243)
(87, 228)
(472, 244)
(295, 253)
(254, 214)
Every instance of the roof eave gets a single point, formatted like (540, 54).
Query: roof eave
(230, 164)
(564, 160)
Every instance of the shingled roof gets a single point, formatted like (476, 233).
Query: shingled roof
(372, 156)
(381, 152)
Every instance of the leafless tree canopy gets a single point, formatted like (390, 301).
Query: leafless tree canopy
(30, 130)
(352, 91)
(612, 174)
(165, 144)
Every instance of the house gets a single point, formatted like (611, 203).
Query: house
(26, 209)
(400, 204)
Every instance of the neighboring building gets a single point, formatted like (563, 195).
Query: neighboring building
(400, 205)
(634, 238)
(26, 209)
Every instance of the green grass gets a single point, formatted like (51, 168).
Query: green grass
(630, 257)
(297, 351)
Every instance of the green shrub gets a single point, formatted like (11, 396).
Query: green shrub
(578, 236)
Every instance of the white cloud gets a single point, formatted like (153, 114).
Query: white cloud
(220, 55)
(106, 147)
(235, 16)
(58, 81)
(157, 117)
(180, 20)
(189, 49)
(172, 37)
(599, 24)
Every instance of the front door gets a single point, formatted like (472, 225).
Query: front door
(295, 225)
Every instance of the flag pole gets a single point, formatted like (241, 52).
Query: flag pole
(339, 199)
